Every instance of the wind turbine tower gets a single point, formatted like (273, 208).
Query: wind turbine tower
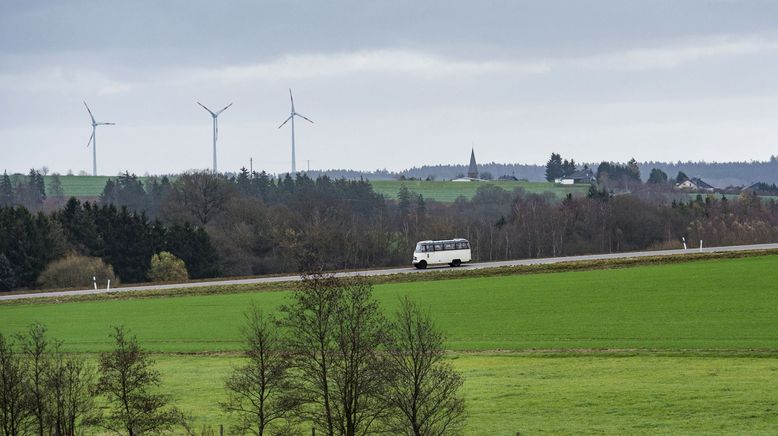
(291, 117)
(93, 139)
(215, 116)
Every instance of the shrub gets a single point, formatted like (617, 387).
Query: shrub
(77, 271)
(165, 267)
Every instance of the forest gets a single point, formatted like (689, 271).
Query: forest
(719, 174)
(253, 224)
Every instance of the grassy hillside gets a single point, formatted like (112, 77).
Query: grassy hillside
(672, 348)
(88, 186)
(446, 191)
(507, 394)
(715, 304)
(76, 186)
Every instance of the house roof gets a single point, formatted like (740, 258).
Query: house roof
(700, 183)
(586, 174)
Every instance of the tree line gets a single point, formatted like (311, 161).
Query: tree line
(331, 360)
(252, 224)
(124, 239)
(718, 173)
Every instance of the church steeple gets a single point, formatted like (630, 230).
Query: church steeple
(472, 172)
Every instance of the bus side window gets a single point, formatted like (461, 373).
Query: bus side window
(438, 247)
(466, 245)
(448, 246)
(460, 245)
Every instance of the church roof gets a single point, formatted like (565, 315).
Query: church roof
(473, 169)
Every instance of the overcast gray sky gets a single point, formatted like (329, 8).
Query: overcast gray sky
(390, 84)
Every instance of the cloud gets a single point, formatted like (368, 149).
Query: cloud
(421, 64)
(673, 56)
(396, 62)
(393, 62)
(59, 80)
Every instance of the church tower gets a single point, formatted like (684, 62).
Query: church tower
(472, 171)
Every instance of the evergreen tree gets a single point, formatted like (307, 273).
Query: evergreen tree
(568, 167)
(681, 177)
(243, 181)
(157, 191)
(554, 168)
(404, 201)
(29, 242)
(55, 189)
(7, 274)
(32, 193)
(129, 241)
(421, 206)
(194, 247)
(657, 177)
(7, 197)
(264, 187)
(633, 170)
(126, 191)
(79, 227)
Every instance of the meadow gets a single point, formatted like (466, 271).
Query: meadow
(446, 191)
(506, 394)
(667, 348)
(77, 186)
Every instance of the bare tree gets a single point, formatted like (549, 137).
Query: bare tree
(35, 348)
(70, 381)
(198, 197)
(13, 412)
(127, 379)
(422, 388)
(336, 332)
(260, 392)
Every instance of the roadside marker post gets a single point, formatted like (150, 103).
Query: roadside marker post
(94, 282)
(684, 242)
(700, 245)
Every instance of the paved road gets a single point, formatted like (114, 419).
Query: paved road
(405, 270)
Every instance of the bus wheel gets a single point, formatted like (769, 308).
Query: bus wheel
(422, 264)
(456, 263)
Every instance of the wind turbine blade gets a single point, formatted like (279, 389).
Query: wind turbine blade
(90, 139)
(291, 98)
(106, 124)
(90, 112)
(225, 108)
(287, 120)
(303, 117)
(209, 111)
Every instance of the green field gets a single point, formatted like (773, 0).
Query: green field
(78, 186)
(88, 186)
(443, 191)
(507, 394)
(446, 191)
(669, 348)
(714, 304)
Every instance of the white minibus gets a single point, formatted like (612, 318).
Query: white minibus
(453, 252)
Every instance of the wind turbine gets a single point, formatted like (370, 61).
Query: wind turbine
(215, 116)
(93, 139)
(291, 117)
